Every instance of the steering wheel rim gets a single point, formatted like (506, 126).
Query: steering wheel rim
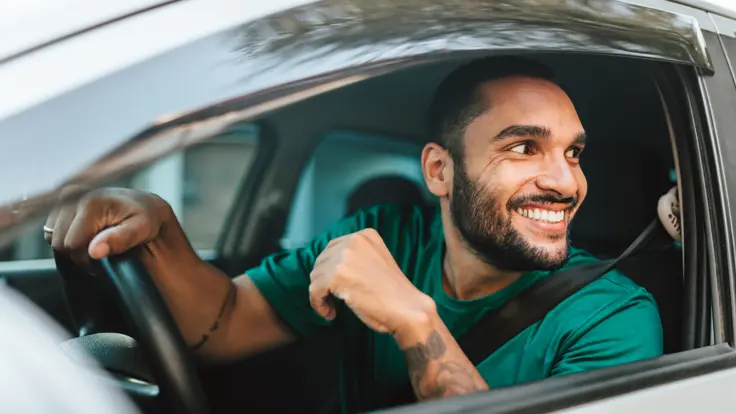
(145, 309)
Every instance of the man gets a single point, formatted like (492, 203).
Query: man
(401, 284)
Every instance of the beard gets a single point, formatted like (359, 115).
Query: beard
(478, 215)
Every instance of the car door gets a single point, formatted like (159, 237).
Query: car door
(242, 68)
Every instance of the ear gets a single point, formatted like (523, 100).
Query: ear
(437, 168)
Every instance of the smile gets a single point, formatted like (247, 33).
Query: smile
(549, 216)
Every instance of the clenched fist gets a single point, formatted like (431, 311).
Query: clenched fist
(359, 269)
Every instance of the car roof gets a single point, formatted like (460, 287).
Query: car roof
(28, 24)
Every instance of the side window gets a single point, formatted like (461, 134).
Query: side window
(199, 182)
(350, 170)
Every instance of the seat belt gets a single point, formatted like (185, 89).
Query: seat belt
(500, 325)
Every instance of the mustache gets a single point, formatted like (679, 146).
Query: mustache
(517, 202)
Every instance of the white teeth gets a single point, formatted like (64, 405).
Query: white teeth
(542, 215)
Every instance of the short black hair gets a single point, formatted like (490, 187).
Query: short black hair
(457, 101)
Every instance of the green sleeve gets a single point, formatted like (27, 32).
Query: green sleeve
(283, 278)
(625, 331)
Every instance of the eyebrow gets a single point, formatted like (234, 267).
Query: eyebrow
(532, 131)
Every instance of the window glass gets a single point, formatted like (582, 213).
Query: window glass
(200, 183)
(343, 165)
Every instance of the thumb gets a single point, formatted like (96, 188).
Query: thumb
(121, 238)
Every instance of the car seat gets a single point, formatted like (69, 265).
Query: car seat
(385, 189)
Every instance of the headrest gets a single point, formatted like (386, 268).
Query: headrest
(386, 189)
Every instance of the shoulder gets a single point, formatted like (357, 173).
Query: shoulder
(609, 322)
(607, 294)
(391, 221)
(614, 282)
(391, 214)
(614, 310)
(397, 225)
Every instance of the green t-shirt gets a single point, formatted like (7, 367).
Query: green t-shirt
(609, 322)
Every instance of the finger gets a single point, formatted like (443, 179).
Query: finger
(372, 237)
(324, 265)
(121, 238)
(323, 258)
(62, 207)
(61, 227)
(316, 273)
(50, 223)
(319, 298)
(329, 251)
(337, 241)
(81, 231)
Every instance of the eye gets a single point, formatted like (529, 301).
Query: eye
(524, 148)
(573, 152)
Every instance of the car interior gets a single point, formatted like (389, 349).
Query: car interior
(322, 158)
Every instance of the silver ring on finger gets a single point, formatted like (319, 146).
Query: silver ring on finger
(47, 229)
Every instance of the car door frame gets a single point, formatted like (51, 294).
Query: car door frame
(309, 74)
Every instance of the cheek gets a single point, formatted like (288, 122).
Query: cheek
(582, 185)
(506, 179)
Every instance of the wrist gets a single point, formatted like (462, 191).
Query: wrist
(170, 248)
(417, 325)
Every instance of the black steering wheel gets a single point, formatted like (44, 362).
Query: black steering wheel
(154, 328)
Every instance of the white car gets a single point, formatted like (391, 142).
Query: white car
(257, 121)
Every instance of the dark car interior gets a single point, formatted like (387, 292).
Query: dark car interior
(628, 163)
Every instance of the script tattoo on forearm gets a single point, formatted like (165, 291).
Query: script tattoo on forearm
(433, 378)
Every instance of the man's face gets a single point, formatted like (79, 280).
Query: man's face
(519, 182)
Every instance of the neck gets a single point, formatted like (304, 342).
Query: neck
(465, 276)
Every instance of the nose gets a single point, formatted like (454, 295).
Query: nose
(557, 176)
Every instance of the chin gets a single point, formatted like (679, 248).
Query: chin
(556, 255)
(551, 250)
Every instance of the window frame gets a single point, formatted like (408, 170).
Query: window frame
(188, 128)
(235, 224)
(721, 93)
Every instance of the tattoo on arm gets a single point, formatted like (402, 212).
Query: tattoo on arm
(229, 296)
(431, 377)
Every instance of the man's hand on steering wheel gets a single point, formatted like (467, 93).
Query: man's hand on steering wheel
(106, 222)
(104, 225)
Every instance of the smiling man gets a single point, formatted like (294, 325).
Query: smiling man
(401, 284)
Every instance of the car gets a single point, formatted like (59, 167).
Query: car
(263, 122)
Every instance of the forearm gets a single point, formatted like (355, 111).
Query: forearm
(219, 318)
(436, 364)
(194, 291)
